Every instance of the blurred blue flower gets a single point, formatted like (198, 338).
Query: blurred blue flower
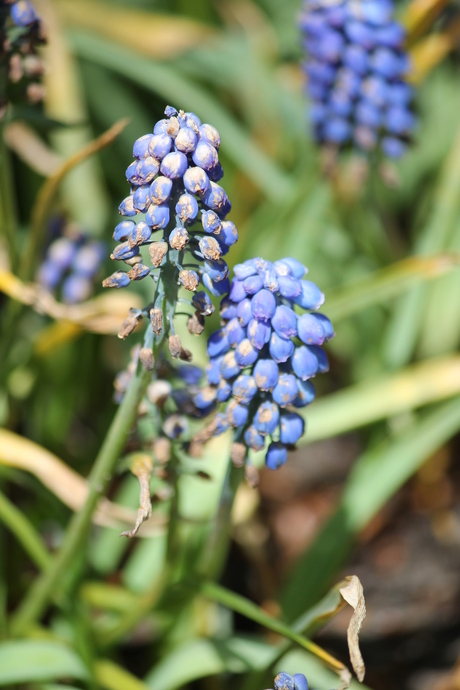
(21, 32)
(356, 71)
(71, 263)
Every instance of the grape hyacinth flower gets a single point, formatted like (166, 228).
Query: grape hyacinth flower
(284, 681)
(356, 71)
(71, 265)
(262, 359)
(174, 188)
(21, 69)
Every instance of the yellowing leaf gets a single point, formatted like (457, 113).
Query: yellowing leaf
(149, 33)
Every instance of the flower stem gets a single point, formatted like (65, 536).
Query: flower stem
(36, 600)
(8, 210)
(215, 550)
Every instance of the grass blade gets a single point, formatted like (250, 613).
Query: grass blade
(371, 401)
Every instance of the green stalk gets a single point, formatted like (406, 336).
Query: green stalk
(241, 605)
(39, 595)
(9, 217)
(216, 547)
(24, 532)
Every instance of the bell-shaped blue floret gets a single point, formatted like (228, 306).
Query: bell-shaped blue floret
(263, 305)
(217, 344)
(292, 427)
(311, 296)
(235, 332)
(174, 165)
(224, 390)
(266, 374)
(245, 353)
(306, 393)
(186, 140)
(275, 457)
(229, 366)
(187, 208)
(237, 414)
(284, 322)
(160, 145)
(253, 439)
(157, 216)
(253, 284)
(244, 388)
(280, 348)
(266, 418)
(300, 682)
(285, 391)
(304, 362)
(283, 681)
(213, 374)
(227, 309)
(310, 329)
(243, 311)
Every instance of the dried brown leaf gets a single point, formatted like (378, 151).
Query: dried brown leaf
(65, 483)
(352, 592)
(141, 467)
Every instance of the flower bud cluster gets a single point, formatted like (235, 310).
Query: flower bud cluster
(263, 357)
(284, 681)
(21, 69)
(174, 188)
(71, 265)
(356, 72)
(169, 401)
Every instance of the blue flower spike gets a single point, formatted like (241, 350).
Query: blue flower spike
(71, 264)
(266, 352)
(356, 72)
(183, 213)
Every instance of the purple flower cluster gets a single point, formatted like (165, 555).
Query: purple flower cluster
(263, 357)
(356, 69)
(72, 263)
(21, 32)
(174, 186)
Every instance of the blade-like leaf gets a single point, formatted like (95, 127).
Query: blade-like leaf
(375, 399)
(31, 661)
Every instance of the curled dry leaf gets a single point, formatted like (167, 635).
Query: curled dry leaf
(141, 467)
(65, 483)
(352, 592)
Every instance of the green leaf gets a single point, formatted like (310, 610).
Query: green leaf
(28, 661)
(165, 81)
(404, 330)
(383, 397)
(247, 608)
(113, 677)
(199, 658)
(387, 283)
(375, 478)
(24, 531)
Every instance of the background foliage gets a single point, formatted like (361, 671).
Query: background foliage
(387, 259)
